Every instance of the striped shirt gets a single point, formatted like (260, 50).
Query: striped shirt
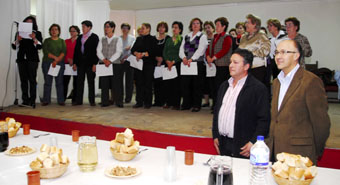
(226, 115)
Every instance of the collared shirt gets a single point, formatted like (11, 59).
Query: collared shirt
(227, 44)
(128, 42)
(274, 41)
(116, 55)
(285, 83)
(203, 44)
(84, 39)
(226, 116)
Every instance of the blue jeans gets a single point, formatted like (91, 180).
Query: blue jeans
(337, 79)
(48, 82)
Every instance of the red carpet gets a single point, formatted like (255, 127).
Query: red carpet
(330, 158)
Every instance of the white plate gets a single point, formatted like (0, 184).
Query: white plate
(20, 154)
(108, 172)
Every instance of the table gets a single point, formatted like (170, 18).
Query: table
(152, 163)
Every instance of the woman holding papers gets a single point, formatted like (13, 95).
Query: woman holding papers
(54, 50)
(109, 50)
(218, 53)
(143, 49)
(192, 52)
(70, 45)
(172, 94)
(27, 60)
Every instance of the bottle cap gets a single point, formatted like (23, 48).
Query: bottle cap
(260, 138)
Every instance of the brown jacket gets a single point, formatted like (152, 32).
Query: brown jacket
(302, 124)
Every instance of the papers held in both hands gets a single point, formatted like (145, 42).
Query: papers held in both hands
(25, 29)
(168, 75)
(69, 71)
(102, 70)
(134, 63)
(54, 71)
(158, 71)
(186, 70)
(211, 70)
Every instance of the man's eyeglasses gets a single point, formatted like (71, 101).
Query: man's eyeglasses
(282, 52)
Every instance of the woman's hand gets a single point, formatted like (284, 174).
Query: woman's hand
(74, 67)
(94, 68)
(54, 63)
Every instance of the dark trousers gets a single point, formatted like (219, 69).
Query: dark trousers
(83, 70)
(222, 74)
(172, 92)
(226, 146)
(106, 83)
(158, 90)
(48, 79)
(144, 81)
(28, 75)
(74, 87)
(117, 86)
(192, 88)
(259, 73)
(128, 71)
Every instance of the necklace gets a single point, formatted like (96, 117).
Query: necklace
(160, 42)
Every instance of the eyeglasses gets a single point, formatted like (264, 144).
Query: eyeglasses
(282, 52)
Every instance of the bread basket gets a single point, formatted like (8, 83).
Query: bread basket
(283, 181)
(14, 132)
(50, 173)
(122, 156)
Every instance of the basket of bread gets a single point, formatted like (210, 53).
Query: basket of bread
(12, 126)
(124, 147)
(51, 162)
(292, 169)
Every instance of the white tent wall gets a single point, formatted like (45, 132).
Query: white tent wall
(319, 21)
(10, 10)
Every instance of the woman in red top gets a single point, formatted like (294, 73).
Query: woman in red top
(70, 45)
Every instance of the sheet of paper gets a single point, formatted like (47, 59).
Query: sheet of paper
(25, 29)
(53, 71)
(168, 75)
(158, 71)
(102, 70)
(186, 70)
(211, 70)
(134, 63)
(69, 71)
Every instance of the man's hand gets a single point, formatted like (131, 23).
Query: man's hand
(246, 149)
(106, 62)
(217, 144)
(94, 68)
(189, 61)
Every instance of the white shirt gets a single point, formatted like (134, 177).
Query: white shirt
(285, 83)
(116, 55)
(226, 115)
(274, 41)
(203, 44)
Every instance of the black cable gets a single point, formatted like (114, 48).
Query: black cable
(9, 67)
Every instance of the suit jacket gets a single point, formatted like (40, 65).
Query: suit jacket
(301, 126)
(252, 116)
(89, 57)
(146, 43)
(27, 50)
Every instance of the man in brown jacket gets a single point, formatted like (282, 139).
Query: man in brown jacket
(300, 123)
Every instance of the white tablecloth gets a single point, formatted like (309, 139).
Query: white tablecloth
(152, 162)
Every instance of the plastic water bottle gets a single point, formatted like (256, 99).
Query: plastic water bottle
(259, 161)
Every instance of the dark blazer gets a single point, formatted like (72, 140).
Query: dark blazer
(89, 57)
(302, 124)
(27, 48)
(146, 43)
(252, 116)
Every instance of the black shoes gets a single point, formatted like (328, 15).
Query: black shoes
(62, 104)
(120, 105)
(206, 105)
(93, 104)
(44, 104)
(195, 109)
(137, 106)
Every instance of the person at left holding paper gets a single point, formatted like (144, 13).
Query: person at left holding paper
(54, 50)
(27, 60)
(109, 50)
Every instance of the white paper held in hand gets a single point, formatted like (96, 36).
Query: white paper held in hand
(158, 71)
(186, 70)
(168, 75)
(102, 70)
(134, 63)
(211, 70)
(69, 71)
(25, 29)
(54, 71)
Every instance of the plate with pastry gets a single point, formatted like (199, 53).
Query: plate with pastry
(20, 151)
(122, 172)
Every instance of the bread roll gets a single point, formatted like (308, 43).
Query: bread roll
(56, 158)
(128, 133)
(48, 163)
(310, 172)
(64, 159)
(53, 150)
(281, 173)
(36, 164)
(120, 138)
(132, 150)
(42, 156)
(123, 149)
(307, 161)
(128, 141)
(45, 148)
(296, 174)
(136, 144)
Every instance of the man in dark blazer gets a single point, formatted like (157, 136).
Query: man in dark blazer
(300, 123)
(242, 109)
(84, 61)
